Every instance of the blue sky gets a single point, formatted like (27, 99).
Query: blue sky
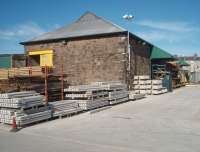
(173, 25)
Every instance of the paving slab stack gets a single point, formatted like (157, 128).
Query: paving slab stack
(117, 91)
(157, 87)
(144, 85)
(87, 96)
(27, 107)
(64, 107)
(134, 96)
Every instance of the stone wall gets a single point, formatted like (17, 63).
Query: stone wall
(89, 60)
(140, 58)
(102, 58)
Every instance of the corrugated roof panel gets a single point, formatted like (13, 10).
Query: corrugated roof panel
(158, 53)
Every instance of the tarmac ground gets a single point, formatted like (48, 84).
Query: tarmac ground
(163, 123)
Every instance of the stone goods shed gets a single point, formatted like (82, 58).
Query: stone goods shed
(91, 49)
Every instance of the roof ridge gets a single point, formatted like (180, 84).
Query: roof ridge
(90, 25)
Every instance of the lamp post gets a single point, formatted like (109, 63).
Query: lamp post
(128, 18)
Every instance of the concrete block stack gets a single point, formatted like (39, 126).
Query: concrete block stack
(117, 92)
(26, 107)
(144, 85)
(64, 107)
(157, 87)
(134, 96)
(87, 96)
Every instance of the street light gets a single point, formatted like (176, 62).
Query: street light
(128, 18)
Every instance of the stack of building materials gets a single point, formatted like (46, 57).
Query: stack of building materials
(53, 86)
(64, 107)
(117, 91)
(87, 96)
(21, 72)
(144, 85)
(27, 107)
(34, 83)
(8, 86)
(157, 87)
(134, 96)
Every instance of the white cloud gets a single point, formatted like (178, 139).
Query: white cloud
(22, 31)
(156, 35)
(151, 36)
(171, 41)
(169, 25)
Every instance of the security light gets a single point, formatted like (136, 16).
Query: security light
(128, 17)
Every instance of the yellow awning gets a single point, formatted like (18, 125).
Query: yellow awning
(46, 56)
(40, 52)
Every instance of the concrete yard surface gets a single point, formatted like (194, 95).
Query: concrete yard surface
(164, 123)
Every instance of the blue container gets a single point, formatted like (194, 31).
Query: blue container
(167, 82)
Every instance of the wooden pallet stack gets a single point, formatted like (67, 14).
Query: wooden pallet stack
(64, 108)
(117, 91)
(87, 96)
(144, 85)
(27, 107)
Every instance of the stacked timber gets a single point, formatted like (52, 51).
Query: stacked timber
(144, 85)
(8, 86)
(20, 72)
(117, 91)
(53, 87)
(64, 107)
(26, 107)
(87, 96)
(34, 83)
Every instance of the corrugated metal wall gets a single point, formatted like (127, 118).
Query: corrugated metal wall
(5, 61)
(12, 60)
(195, 77)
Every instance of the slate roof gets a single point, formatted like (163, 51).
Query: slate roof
(88, 24)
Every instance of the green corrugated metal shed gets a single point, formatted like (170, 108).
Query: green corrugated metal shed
(158, 53)
(5, 60)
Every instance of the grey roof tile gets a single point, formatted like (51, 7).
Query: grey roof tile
(88, 24)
